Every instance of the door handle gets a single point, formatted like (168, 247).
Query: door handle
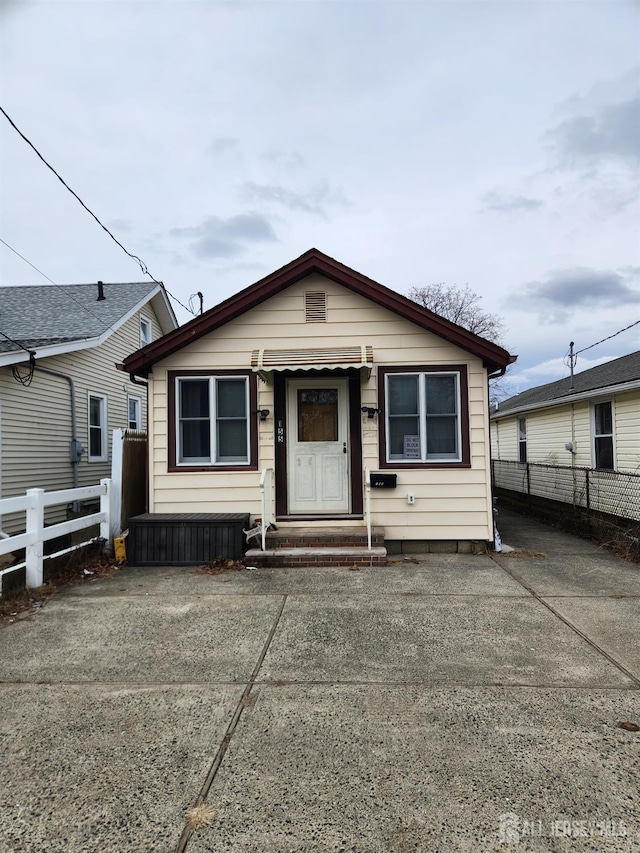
(344, 446)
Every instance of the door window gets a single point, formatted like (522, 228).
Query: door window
(317, 414)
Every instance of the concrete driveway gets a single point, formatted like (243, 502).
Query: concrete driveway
(443, 703)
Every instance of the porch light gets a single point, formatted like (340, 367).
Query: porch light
(371, 412)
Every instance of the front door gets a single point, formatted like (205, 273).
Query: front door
(318, 446)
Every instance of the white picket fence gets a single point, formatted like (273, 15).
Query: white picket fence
(33, 504)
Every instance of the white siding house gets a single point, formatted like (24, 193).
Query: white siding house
(70, 390)
(592, 421)
(320, 374)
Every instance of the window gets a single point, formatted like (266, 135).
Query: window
(134, 415)
(97, 427)
(522, 439)
(212, 420)
(146, 331)
(603, 436)
(423, 421)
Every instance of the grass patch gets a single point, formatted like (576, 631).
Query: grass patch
(200, 816)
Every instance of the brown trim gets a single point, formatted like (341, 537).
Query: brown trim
(314, 261)
(461, 369)
(172, 465)
(280, 437)
(355, 438)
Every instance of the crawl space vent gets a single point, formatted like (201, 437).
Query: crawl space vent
(315, 307)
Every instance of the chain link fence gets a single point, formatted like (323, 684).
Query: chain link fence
(604, 505)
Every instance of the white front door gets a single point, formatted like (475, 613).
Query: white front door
(318, 446)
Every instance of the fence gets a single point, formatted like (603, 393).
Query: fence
(33, 504)
(129, 476)
(613, 493)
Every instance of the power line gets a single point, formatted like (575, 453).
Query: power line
(138, 260)
(608, 338)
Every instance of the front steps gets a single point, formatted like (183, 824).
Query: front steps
(319, 546)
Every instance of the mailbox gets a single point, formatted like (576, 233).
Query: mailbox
(383, 481)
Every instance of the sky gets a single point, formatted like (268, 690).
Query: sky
(494, 145)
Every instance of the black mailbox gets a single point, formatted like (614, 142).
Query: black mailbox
(383, 481)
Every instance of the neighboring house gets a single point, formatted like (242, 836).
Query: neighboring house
(59, 405)
(320, 373)
(591, 421)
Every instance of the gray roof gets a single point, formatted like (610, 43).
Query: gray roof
(615, 372)
(45, 315)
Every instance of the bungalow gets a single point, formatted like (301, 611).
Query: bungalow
(589, 420)
(348, 402)
(61, 395)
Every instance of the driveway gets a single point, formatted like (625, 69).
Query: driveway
(442, 703)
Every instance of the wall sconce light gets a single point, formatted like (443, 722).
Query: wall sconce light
(264, 414)
(371, 412)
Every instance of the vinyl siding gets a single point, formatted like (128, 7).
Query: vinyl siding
(35, 421)
(450, 503)
(548, 431)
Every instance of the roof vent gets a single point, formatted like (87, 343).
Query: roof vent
(315, 306)
(101, 296)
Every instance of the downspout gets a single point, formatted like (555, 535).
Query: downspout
(75, 447)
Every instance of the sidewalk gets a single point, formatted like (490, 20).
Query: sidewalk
(443, 703)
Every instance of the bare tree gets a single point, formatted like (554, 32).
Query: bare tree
(461, 306)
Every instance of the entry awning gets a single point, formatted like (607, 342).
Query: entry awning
(264, 361)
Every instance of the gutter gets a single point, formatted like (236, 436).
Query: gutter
(75, 447)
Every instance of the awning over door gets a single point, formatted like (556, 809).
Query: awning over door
(263, 361)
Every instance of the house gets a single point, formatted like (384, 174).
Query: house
(590, 421)
(317, 374)
(61, 394)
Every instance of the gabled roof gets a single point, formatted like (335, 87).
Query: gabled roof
(494, 357)
(619, 374)
(63, 318)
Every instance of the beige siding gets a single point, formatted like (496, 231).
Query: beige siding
(450, 503)
(35, 421)
(627, 431)
(550, 429)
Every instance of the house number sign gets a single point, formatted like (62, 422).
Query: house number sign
(280, 433)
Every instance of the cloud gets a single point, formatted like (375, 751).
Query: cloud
(314, 201)
(223, 144)
(289, 161)
(609, 134)
(122, 225)
(566, 291)
(510, 204)
(224, 238)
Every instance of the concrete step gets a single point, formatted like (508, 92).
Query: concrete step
(287, 536)
(322, 556)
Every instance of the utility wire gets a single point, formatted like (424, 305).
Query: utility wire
(138, 260)
(60, 286)
(16, 343)
(615, 334)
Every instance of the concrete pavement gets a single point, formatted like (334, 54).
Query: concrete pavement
(442, 703)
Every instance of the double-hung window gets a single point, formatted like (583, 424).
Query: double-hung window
(423, 417)
(97, 404)
(603, 436)
(212, 420)
(134, 412)
(522, 439)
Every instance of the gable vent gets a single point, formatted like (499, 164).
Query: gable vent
(315, 306)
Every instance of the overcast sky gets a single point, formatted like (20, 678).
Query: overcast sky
(494, 144)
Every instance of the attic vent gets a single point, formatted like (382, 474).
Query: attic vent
(315, 307)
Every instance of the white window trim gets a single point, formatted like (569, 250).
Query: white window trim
(422, 418)
(145, 321)
(522, 440)
(103, 457)
(211, 462)
(138, 400)
(595, 435)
